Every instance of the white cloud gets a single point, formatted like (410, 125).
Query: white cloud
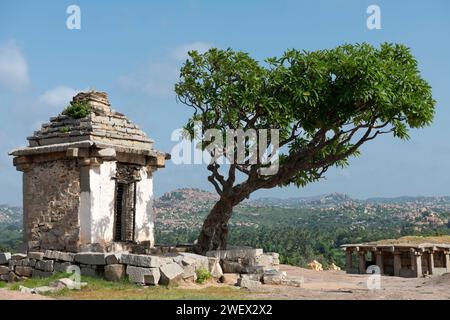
(13, 67)
(159, 77)
(181, 53)
(58, 97)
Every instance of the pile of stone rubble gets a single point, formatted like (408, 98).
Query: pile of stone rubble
(245, 267)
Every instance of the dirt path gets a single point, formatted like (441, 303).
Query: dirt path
(338, 285)
(6, 294)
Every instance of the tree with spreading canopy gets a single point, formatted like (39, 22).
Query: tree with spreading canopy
(325, 105)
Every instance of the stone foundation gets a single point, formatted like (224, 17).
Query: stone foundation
(248, 268)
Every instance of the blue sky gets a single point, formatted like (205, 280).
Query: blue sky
(133, 50)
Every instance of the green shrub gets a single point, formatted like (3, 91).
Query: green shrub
(203, 275)
(64, 130)
(77, 110)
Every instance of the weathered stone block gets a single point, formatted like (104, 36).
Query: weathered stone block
(62, 267)
(189, 272)
(248, 284)
(4, 270)
(41, 274)
(140, 260)
(18, 256)
(5, 257)
(65, 256)
(36, 255)
(234, 254)
(232, 267)
(45, 265)
(23, 262)
(12, 277)
(143, 275)
(113, 258)
(272, 278)
(91, 258)
(152, 278)
(230, 278)
(24, 271)
(114, 272)
(294, 282)
(191, 258)
(170, 274)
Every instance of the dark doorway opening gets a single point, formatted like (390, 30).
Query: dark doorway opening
(125, 212)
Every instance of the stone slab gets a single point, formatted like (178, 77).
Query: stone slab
(114, 272)
(140, 260)
(5, 257)
(41, 274)
(36, 255)
(90, 258)
(18, 256)
(249, 284)
(113, 258)
(24, 271)
(234, 254)
(143, 275)
(170, 274)
(4, 270)
(45, 265)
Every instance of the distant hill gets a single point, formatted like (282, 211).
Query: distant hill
(299, 228)
(10, 215)
(314, 201)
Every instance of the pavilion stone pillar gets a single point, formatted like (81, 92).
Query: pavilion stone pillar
(362, 262)
(417, 256)
(447, 260)
(431, 261)
(379, 260)
(397, 263)
(349, 261)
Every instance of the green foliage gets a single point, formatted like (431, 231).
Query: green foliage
(64, 130)
(10, 237)
(325, 99)
(77, 110)
(203, 275)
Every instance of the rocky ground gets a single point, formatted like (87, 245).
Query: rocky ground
(327, 285)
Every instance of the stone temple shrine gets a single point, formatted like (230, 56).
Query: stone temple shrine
(87, 180)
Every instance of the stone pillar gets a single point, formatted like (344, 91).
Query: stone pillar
(349, 262)
(397, 263)
(379, 261)
(418, 264)
(447, 260)
(362, 262)
(431, 262)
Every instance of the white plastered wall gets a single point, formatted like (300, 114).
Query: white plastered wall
(144, 208)
(97, 205)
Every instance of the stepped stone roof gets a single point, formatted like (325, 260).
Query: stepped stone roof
(102, 128)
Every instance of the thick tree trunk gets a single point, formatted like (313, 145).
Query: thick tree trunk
(214, 233)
